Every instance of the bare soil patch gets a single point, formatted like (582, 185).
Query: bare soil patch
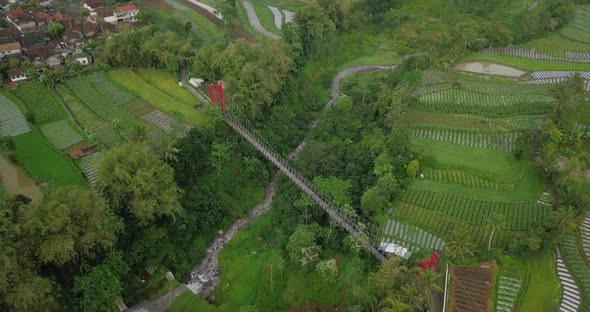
(472, 288)
(488, 68)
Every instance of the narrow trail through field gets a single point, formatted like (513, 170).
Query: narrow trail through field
(205, 276)
(255, 21)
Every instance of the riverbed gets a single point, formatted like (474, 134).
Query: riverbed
(15, 181)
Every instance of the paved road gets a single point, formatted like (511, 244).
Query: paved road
(255, 22)
(278, 17)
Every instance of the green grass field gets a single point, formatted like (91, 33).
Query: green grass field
(167, 83)
(42, 162)
(189, 302)
(542, 292)
(40, 101)
(133, 82)
(266, 17)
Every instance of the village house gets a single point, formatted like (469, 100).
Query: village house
(82, 58)
(10, 32)
(4, 5)
(21, 19)
(127, 13)
(12, 47)
(17, 74)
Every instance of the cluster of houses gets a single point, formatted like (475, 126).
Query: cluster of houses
(26, 37)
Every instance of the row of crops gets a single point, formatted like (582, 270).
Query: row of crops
(519, 216)
(578, 266)
(411, 237)
(40, 101)
(12, 120)
(61, 134)
(107, 88)
(507, 292)
(503, 141)
(461, 177)
(464, 97)
(103, 108)
(98, 128)
(445, 226)
(436, 80)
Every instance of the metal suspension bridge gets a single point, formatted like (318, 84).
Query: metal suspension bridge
(366, 232)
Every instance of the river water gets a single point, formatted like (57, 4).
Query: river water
(14, 181)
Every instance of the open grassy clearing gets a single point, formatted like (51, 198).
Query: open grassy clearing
(40, 101)
(44, 163)
(167, 83)
(542, 290)
(144, 90)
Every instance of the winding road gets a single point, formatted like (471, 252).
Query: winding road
(255, 21)
(205, 276)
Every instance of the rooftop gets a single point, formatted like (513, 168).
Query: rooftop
(15, 45)
(126, 8)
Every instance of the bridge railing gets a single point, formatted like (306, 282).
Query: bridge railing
(364, 230)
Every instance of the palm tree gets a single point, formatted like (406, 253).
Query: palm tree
(427, 284)
(496, 222)
(459, 246)
(566, 218)
(394, 304)
(139, 133)
(563, 98)
(410, 295)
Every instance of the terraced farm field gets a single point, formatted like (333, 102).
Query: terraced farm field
(61, 134)
(45, 163)
(107, 88)
(135, 83)
(103, 108)
(519, 215)
(12, 120)
(95, 126)
(579, 268)
(40, 101)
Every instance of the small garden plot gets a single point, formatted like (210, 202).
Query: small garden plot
(165, 82)
(460, 177)
(107, 88)
(61, 134)
(471, 288)
(576, 262)
(88, 166)
(411, 237)
(40, 101)
(44, 163)
(94, 126)
(520, 216)
(507, 292)
(12, 120)
(503, 141)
